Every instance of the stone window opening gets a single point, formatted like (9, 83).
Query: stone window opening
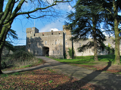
(42, 34)
(52, 33)
(28, 46)
(79, 44)
(55, 42)
(45, 42)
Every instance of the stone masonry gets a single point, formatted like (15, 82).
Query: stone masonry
(57, 43)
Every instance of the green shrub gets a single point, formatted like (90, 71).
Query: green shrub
(70, 52)
(19, 59)
(22, 55)
(3, 65)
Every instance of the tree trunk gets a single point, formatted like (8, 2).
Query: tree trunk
(1, 5)
(95, 50)
(4, 31)
(0, 61)
(117, 40)
(94, 38)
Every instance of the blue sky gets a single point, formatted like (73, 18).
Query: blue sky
(45, 24)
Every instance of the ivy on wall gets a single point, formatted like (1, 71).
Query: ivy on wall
(70, 52)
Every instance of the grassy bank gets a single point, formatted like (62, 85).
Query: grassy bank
(20, 59)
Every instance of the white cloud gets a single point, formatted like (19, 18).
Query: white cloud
(55, 26)
(69, 7)
(26, 3)
(49, 1)
(54, 29)
(63, 6)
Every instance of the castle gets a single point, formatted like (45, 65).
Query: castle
(57, 43)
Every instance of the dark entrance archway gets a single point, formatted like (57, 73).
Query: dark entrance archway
(46, 51)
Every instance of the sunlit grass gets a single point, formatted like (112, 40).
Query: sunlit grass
(87, 60)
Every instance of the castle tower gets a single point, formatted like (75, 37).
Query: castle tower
(30, 34)
(66, 30)
(31, 31)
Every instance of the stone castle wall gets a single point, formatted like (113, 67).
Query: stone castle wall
(40, 43)
(57, 43)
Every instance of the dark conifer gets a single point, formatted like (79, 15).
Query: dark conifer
(85, 22)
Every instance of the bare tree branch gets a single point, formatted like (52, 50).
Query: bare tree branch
(29, 16)
(16, 1)
(29, 12)
(7, 9)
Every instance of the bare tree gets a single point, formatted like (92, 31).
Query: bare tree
(14, 8)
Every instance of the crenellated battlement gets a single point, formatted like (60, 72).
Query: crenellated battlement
(49, 33)
(35, 32)
(32, 30)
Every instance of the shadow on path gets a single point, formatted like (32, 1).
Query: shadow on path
(80, 83)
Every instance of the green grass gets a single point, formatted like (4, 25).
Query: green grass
(26, 66)
(50, 81)
(16, 73)
(39, 60)
(87, 60)
(104, 58)
(6, 75)
(31, 81)
(78, 60)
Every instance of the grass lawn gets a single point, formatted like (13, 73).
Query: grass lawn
(87, 60)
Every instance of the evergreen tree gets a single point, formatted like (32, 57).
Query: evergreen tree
(85, 22)
(112, 7)
(8, 43)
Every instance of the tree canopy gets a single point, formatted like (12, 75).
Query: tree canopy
(88, 16)
(85, 23)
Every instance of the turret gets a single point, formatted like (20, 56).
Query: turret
(66, 30)
(31, 31)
